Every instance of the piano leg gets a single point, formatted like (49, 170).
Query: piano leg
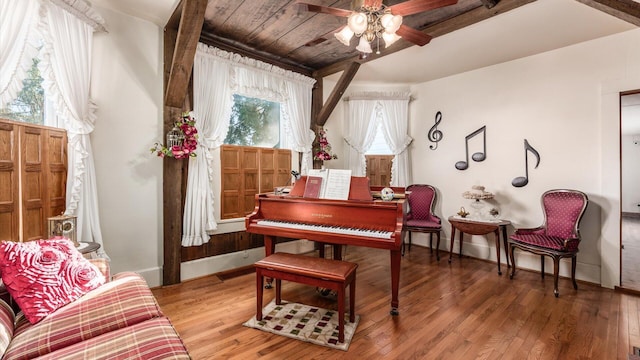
(395, 280)
(337, 252)
(269, 248)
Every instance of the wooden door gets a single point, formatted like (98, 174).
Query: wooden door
(9, 185)
(231, 181)
(33, 179)
(379, 169)
(34, 183)
(56, 167)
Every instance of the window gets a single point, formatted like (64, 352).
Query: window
(254, 122)
(379, 145)
(252, 159)
(28, 107)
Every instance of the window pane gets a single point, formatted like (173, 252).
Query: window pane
(29, 105)
(379, 145)
(254, 122)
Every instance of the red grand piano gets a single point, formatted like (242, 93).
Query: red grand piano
(359, 221)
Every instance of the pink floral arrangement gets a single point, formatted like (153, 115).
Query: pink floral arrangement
(323, 149)
(187, 139)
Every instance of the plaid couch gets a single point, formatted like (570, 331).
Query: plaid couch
(119, 320)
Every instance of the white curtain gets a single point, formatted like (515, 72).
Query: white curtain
(218, 75)
(298, 111)
(395, 122)
(388, 111)
(66, 70)
(18, 20)
(359, 133)
(213, 100)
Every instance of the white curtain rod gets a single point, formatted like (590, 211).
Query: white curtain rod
(379, 96)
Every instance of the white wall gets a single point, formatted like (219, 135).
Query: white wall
(127, 87)
(558, 102)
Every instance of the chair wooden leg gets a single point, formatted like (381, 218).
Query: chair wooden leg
(556, 266)
(573, 272)
(542, 266)
(513, 262)
(402, 251)
(438, 246)
(431, 243)
(409, 241)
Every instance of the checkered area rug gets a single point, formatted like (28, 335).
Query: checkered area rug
(306, 323)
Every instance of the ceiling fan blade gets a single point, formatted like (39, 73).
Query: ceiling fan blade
(412, 35)
(323, 9)
(374, 4)
(415, 6)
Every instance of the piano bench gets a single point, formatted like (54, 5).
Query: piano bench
(331, 274)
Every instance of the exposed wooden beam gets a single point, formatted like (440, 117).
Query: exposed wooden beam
(245, 50)
(344, 81)
(189, 30)
(174, 171)
(627, 10)
(469, 18)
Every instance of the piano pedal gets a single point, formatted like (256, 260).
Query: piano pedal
(327, 293)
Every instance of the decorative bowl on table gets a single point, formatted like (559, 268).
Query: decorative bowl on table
(387, 194)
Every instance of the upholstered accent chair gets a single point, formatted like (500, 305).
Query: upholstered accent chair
(420, 216)
(558, 237)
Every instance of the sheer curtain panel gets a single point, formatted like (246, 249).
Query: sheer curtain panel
(18, 20)
(213, 101)
(359, 133)
(66, 69)
(395, 122)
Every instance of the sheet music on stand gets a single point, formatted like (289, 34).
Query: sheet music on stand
(335, 183)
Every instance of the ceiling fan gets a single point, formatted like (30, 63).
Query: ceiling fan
(372, 20)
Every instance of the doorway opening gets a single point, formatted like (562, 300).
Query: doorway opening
(630, 191)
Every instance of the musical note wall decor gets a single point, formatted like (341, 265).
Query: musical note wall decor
(434, 134)
(478, 156)
(521, 181)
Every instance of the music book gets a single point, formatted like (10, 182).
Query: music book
(335, 183)
(313, 187)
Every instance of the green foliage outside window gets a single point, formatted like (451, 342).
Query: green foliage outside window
(29, 105)
(254, 122)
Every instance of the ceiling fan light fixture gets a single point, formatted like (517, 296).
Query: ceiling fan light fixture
(364, 46)
(393, 25)
(357, 22)
(389, 39)
(344, 35)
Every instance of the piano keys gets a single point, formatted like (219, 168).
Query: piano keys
(376, 224)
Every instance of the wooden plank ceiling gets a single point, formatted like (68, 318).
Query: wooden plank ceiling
(282, 33)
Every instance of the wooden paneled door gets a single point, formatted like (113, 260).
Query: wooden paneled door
(247, 171)
(379, 169)
(9, 185)
(33, 174)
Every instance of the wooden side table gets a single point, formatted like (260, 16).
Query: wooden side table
(88, 247)
(479, 227)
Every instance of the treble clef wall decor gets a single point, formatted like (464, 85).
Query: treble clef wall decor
(434, 134)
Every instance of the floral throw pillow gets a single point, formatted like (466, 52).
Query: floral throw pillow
(45, 275)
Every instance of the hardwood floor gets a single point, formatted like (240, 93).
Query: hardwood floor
(462, 310)
(631, 253)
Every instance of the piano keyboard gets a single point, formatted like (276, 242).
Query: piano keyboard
(327, 229)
